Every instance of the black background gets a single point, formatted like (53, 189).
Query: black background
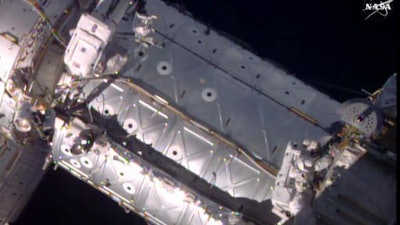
(325, 43)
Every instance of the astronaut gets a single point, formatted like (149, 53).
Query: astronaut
(308, 164)
(144, 29)
(305, 167)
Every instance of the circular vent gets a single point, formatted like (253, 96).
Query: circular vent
(108, 110)
(129, 188)
(86, 162)
(164, 68)
(66, 150)
(209, 94)
(175, 153)
(130, 125)
(75, 163)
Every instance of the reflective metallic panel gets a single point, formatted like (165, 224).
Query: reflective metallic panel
(133, 183)
(182, 141)
(225, 87)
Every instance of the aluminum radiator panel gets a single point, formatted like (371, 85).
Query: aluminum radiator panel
(183, 142)
(133, 183)
(229, 90)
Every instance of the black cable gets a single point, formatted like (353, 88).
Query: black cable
(337, 87)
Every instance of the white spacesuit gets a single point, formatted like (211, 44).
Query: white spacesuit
(144, 29)
(303, 173)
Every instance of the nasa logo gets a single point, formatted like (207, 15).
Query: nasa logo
(377, 11)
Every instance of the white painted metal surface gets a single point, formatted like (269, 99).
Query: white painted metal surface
(134, 183)
(193, 148)
(20, 165)
(86, 45)
(9, 52)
